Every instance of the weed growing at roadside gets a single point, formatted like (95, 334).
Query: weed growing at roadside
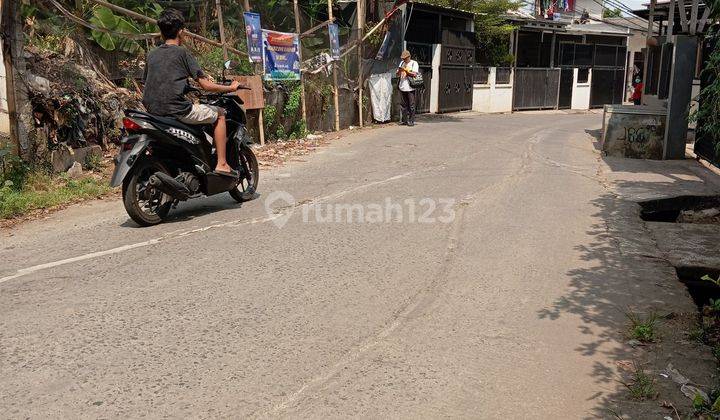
(697, 334)
(94, 161)
(40, 190)
(643, 329)
(642, 386)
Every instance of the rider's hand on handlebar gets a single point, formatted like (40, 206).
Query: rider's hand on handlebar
(234, 85)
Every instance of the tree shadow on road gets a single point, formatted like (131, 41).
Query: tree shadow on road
(622, 271)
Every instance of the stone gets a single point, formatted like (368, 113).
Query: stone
(83, 153)
(62, 158)
(75, 170)
(38, 84)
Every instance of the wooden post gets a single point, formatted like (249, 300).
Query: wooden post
(218, 7)
(361, 31)
(335, 82)
(302, 81)
(256, 70)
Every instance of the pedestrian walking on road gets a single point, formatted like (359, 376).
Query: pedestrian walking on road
(408, 68)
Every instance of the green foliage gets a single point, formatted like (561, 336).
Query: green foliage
(40, 190)
(711, 280)
(697, 334)
(709, 110)
(269, 116)
(643, 386)
(643, 329)
(212, 62)
(94, 161)
(294, 102)
(607, 13)
(104, 18)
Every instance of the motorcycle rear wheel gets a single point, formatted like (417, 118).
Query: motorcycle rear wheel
(144, 204)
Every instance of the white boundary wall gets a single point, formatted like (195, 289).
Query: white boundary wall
(493, 97)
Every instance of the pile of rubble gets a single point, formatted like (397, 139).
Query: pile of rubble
(77, 110)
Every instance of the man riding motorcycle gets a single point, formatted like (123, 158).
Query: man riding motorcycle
(167, 70)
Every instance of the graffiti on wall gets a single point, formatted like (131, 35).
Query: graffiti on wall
(639, 134)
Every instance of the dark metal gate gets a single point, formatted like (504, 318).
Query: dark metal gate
(456, 71)
(422, 53)
(566, 88)
(536, 88)
(607, 87)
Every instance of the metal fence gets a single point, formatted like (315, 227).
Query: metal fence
(481, 75)
(536, 88)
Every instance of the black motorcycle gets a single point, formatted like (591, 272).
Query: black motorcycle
(163, 161)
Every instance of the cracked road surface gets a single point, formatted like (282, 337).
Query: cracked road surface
(220, 313)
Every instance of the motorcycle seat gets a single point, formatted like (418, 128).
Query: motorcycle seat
(195, 129)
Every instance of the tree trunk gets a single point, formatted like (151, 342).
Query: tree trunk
(19, 107)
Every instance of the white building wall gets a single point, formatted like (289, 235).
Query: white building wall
(4, 117)
(493, 97)
(435, 81)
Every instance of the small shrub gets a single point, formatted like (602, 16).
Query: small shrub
(643, 329)
(642, 386)
(94, 161)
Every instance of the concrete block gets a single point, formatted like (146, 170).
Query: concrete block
(633, 131)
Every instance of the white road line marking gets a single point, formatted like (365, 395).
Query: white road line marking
(180, 234)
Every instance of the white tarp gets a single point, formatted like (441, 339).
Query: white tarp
(381, 95)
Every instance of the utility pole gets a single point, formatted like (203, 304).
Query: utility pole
(361, 32)
(302, 81)
(19, 107)
(335, 82)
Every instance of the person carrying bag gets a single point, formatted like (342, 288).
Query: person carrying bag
(410, 79)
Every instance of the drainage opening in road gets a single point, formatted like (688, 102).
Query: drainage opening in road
(682, 209)
(702, 283)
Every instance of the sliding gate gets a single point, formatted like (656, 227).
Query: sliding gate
(536, 88)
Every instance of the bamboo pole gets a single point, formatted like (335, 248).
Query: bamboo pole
(302, 81)
(261, 120)
(335, 81)
(218, 8)
(361, 30)
(315, 28)
(144, 18)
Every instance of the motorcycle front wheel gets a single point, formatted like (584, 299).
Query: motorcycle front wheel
(145, 204)
(247, 187)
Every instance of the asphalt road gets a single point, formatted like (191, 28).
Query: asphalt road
(221, 313)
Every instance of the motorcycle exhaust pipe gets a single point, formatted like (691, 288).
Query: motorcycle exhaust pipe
(169, 186)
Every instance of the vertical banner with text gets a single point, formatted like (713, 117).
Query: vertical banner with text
(280, 54)
(254, 36)
(334, 41)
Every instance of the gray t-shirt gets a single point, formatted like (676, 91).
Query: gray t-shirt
(167, 69)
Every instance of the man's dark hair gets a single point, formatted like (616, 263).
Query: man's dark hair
(170, 22)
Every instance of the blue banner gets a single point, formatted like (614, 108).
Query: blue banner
(254, 36)
(334, 41)
(280, 53)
